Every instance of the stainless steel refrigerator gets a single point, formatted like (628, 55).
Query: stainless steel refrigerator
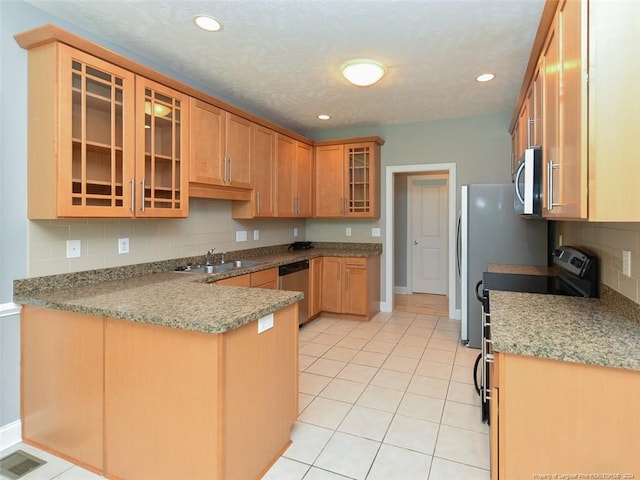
(489, 231)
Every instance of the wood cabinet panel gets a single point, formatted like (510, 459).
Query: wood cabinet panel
(303, 187)
(332, 284)
(531, 444)
(354, 192)
(220, 160)
(62, 383)
(237, 281)
(285, 158)
(330, 171)
(263, 163)
(315, 289)
(265, 278)
(150, 376)
(351, 286)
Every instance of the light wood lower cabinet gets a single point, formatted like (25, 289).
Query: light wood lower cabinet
(62, 365)
(174, 403)
(315, 286)
(262, 279)
(351, 286)
(555, 417)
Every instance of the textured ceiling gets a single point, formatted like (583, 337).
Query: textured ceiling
(280, 59)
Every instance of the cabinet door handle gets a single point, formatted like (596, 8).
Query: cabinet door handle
(142, 194)
(224, 167)
(530, 123)
(230, 169)
(550, 167)
(346, 280)
(133, 195)
(258, 201)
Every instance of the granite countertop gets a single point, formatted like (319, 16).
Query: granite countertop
(169, 300)
(153, 293)
(583, 330)
(522, 269)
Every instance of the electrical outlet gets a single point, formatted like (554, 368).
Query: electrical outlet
(74, 248)
(123, 246)
(241, 236)
(265, 323)
(295, 231)
(347, 231)
(256, 234)
(375, 232)
(626, 263)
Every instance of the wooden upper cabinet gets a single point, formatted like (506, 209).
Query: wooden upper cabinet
(220, 152)
(347, 179)
(294, 177)
(303, 179)
(93, 150)
(330, 171)
(162, 118)
(588, 103)
(263, 164)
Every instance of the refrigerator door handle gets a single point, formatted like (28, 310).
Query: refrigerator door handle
(459, 247)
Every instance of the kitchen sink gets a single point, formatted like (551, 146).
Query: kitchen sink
(222, 267)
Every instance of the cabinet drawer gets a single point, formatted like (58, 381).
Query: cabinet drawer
(355, 263)
(239, 281)
(264, 277)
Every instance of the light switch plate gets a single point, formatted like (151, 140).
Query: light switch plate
(241, 236)
(123, 245)
(74, 248)
(256, 234)
(265, 323)
(295, 231)
(626, 263)
(347, 231)
(375, 232)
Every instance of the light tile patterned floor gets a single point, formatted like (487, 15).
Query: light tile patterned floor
(389, 399)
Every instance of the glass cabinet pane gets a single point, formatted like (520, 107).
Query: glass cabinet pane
(359, 167)
(163, 149)
(97, 131)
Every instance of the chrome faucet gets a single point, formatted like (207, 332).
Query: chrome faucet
(222, 257)
(208, 257)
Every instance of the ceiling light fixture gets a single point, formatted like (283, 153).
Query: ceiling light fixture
(324, 116)
(485, 77)
(208, 23)
(363, 72)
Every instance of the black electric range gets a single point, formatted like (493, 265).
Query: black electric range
(577, 276)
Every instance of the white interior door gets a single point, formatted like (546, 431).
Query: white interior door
(428, 239)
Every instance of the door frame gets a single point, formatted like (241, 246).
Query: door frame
(411, 226)
(387, 305)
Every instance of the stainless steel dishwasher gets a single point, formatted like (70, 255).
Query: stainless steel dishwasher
(295, 276)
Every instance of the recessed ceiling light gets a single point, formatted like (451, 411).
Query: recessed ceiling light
(324, 116)
(207, 22)
(362, 72)
(485, 77)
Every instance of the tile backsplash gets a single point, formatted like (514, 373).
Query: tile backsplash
(209, 225)
(607, 241)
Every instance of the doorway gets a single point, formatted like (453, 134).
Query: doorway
(427, 235)
(448, 169)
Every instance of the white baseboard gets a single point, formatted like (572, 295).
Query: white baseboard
(10, 434)
(457, 314)
(401, 290)
(385, 307)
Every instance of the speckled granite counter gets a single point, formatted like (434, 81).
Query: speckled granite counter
(153, 293)
(522, 269)
(170, 300)
(573, 329)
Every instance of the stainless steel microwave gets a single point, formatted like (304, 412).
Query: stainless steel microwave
(527, 200)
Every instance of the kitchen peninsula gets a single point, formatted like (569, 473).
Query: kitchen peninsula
(141, 372)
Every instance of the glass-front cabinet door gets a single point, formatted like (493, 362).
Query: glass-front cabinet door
(96, 142)
(361, 182)
(162, 156)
